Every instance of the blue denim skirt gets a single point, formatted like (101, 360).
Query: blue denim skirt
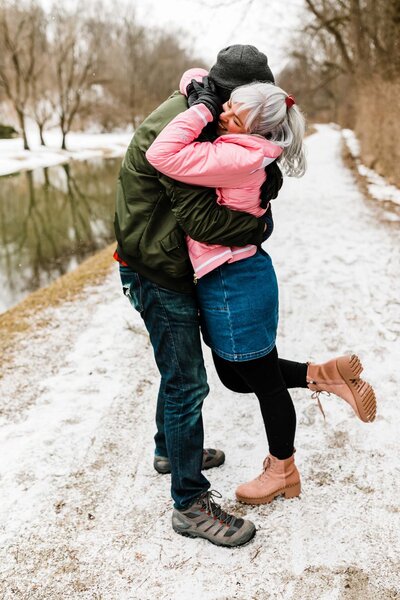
(239, 308)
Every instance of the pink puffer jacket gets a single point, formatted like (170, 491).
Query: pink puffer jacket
(233, 164)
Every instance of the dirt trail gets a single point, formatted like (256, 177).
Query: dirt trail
(84, 516)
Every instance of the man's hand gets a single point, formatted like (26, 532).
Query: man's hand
(207, 95)
(269, 224)
(273, 183)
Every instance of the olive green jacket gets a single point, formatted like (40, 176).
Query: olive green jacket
(154, 213)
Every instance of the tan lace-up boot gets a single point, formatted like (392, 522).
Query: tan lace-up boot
(341, 376)
(279, 477)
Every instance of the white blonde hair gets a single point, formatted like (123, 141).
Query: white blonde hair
(269, 116)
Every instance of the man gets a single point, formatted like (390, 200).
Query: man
(153, 215)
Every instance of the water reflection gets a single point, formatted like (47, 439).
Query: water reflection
(50, 219)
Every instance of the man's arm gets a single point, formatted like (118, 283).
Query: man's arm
(269, 221)
(199, 215)
(195, 208)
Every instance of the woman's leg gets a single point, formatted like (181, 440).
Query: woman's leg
(346, 384)
(229, 377)
(264, 378)
(280, 475)
(294, 374)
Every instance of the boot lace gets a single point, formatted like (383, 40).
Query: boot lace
(208, 504)
(266, 465)
(315, 396)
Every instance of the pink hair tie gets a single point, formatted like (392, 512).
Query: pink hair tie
(289, 100)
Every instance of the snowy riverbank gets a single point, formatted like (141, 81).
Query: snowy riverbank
(84, 515)
(81, 146)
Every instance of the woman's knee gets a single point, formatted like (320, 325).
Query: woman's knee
(228, 376)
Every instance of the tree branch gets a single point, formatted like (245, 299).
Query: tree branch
(327, 24)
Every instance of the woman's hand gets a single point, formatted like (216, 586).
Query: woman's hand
(191, 92)
(273, 183)
(207, 95)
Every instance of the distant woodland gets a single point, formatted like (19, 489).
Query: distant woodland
(345, 68)
(94, 65)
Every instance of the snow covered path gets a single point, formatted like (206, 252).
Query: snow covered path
(83, 515)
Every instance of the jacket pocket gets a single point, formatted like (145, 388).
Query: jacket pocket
(172, 241)
(174, 247)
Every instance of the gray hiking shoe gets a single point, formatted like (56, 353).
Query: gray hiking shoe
(204, 518)
(211, 458)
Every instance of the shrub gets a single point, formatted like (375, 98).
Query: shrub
(7, 132)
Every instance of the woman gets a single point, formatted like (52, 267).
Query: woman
(237, 289)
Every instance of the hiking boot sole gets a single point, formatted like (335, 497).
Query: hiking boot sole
(195, 533)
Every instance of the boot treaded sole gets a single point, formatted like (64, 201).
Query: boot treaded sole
(198, 535)
(364, 405)
(289, 491)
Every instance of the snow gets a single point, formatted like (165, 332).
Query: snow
(81, 146)
(377, 185)
(84, 515)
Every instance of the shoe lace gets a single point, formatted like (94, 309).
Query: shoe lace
(315, 396)
(208, 503)
(266, 464)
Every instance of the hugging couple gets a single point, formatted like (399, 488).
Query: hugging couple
(192, 211)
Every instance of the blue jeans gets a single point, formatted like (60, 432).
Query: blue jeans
(172, 320)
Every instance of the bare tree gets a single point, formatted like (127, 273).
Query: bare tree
(22, 30)
(345, 44)
(75, 65)
(167, 60)
(41, 106)
(68, 67)
(366, 33)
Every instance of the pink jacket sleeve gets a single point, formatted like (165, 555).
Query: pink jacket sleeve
(223, 163)
(190, 74)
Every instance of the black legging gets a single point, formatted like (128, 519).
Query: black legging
(269, 378)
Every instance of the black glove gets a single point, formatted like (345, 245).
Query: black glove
(271, 186)
(192, 93)
(206, 94)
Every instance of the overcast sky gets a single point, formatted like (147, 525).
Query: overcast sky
(214, 24)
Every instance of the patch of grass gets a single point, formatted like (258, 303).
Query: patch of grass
(30, 313)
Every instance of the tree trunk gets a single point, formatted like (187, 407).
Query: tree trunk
(359, 41)
(41, 128)
(63, 144)
(21, 119)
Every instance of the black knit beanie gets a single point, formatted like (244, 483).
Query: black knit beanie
(237, 65)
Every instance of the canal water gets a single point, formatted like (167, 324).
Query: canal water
(50, 220)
